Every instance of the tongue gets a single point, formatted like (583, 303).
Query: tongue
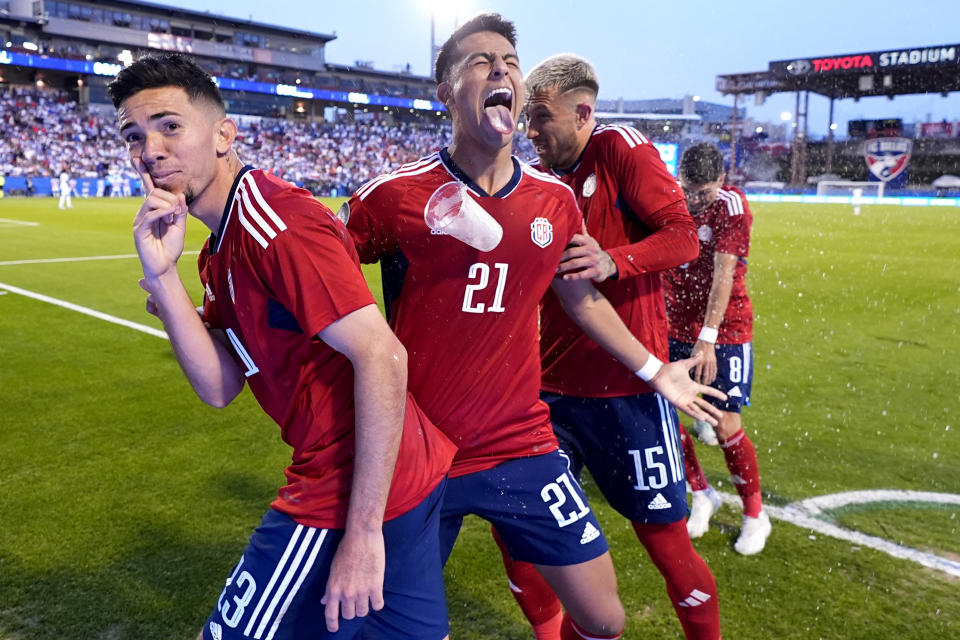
(500, 119)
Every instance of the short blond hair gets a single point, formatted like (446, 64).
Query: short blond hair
(563, 72)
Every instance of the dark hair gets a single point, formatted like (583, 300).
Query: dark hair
(165, 70)
(449, 56)
(701, 163)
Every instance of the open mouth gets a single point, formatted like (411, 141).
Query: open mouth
(499, 97)
(498, 110)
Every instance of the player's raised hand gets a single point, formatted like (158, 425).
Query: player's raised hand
(583, 258)
(355, 585)
(159, 227)
(673, 382)
(705, 372)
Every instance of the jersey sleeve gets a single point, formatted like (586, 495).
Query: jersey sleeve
(313, 272)
(655, 198)
(368, 222)
(733, 226)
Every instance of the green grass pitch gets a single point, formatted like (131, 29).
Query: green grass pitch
(124, 501)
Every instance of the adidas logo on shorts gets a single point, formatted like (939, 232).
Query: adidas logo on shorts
(659, 502)
(590, 533)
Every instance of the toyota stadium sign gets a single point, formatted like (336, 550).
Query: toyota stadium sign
(936, 56)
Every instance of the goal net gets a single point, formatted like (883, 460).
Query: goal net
(850, 189)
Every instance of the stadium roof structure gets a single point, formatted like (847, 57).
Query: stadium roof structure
(668, 108)
(891, 73)
(177, 11)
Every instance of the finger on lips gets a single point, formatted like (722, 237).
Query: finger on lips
(141, 169)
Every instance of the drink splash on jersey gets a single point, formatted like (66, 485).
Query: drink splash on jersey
(452, 211)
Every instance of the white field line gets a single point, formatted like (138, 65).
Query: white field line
(85, 310)
(123, 256)
(810, 514)
(19, 223)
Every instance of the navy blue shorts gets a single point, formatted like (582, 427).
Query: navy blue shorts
(734, 372)
(274, 591)
(631, 445)
(535, 503)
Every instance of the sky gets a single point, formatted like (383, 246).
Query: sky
(643, 49)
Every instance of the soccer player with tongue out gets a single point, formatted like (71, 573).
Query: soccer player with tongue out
(469, 240)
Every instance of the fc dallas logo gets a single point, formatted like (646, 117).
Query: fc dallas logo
(887, 157)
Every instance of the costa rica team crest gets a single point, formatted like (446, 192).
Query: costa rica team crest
(589, 185)
(541, 232)
(887, 158)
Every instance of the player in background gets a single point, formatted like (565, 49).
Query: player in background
(636, 226)
(351, 538)
(711, 316)
(469, 240)
(66, 189)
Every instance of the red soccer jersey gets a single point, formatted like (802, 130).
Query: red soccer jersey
(723, 227)
(467, 317)
(280, 269)
(637, 213)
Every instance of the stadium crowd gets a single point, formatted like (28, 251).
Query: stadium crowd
(44, 132)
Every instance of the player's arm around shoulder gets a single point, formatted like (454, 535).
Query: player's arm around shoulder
(355, 585)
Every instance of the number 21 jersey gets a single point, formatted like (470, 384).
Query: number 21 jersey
(468, 317)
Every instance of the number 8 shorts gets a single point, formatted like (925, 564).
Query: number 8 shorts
(631, 445)
(734, 372)
(536, 505)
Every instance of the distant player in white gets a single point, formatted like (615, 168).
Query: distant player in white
(65, 200)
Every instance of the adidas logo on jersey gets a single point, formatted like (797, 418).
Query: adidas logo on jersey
(590, 533)
(735, 392)
(216, 631)
(695, 599)
(659, 502)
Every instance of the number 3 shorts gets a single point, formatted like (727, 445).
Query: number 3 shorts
(274, 591)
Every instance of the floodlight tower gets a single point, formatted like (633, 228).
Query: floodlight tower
(445, 9)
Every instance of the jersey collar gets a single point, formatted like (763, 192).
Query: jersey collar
(462, 176)
(215, 238)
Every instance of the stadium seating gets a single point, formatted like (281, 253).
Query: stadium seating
(43, 131)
